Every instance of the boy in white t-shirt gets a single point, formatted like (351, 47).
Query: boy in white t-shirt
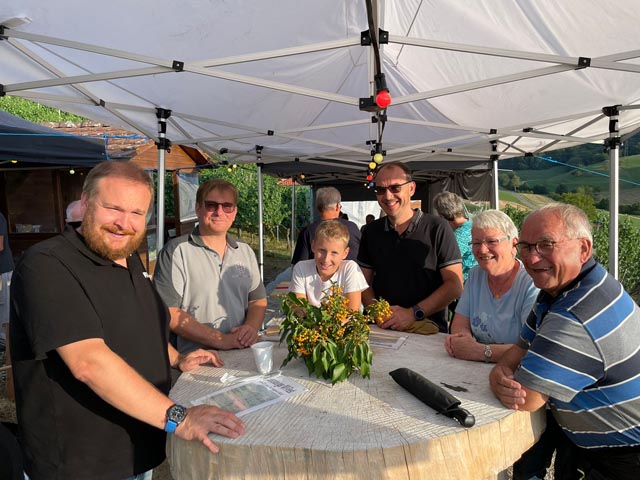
(311, 279)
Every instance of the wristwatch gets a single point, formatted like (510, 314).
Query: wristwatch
(487, 353)
(418, 313)
(175, 416)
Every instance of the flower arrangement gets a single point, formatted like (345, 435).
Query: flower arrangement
(332, 340)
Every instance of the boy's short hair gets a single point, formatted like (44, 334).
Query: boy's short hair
(332, 230)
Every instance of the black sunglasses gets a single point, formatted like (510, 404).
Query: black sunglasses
(392, 188)
(227, 207)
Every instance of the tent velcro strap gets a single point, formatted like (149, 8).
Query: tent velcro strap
(177, 65)
(2, 92)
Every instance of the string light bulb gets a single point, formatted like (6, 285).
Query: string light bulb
(378, 158)
(71, 171)
(383, 99)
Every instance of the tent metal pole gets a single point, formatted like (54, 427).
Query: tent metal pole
(163, 144)
(260, 222)
(613, 144)
(495, 194)
(293, 214)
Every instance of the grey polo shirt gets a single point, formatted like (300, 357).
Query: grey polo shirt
(192, 277)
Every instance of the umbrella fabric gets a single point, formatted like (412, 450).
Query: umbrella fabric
(434, 396)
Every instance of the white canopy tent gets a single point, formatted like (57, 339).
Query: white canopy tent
(281, 81)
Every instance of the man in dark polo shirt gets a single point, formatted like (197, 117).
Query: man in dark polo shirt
(328, 206)
(89, 345)
(409, 258)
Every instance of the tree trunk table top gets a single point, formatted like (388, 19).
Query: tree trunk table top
(360, 428)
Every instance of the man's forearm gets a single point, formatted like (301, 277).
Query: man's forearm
(255, 313)
(115, 381)
(511, 358)
(186, 326)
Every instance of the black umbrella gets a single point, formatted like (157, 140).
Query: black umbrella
(433, 395)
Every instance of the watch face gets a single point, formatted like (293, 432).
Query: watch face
(418, 313)
(176, 413)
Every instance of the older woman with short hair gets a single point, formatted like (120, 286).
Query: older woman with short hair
(451, 207)
(498, 294)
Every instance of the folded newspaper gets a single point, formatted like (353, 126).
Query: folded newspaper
(245, 397)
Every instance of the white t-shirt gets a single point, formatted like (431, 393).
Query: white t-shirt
(305, 280)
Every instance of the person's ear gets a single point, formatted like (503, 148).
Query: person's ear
(585, 249)
(346, 252)
(313, 246)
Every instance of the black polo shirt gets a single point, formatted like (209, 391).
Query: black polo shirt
(407, 267)
(63, 293)
(303, 244)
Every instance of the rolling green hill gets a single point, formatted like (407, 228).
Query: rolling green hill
(573, 178)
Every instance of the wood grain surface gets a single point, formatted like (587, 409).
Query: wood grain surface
(361, 428)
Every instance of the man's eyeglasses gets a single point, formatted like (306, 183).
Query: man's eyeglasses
(544, 248)
(227, 207)
(489, 242)
(392, 188)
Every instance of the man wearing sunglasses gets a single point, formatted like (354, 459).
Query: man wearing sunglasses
(410, 258)
(578, 351)
(210, 280)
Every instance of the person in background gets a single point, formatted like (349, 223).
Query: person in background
(367, 220)
(210, 280)
(451, 207)
(409, 258)
(578, 351)
(74, 214)
(311, 279)
(6, 268)
(89, 345)
(328, 205)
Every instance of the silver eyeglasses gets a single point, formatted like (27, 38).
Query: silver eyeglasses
(543, 247)
(489, 242)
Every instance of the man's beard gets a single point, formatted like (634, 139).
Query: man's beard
(94, 238)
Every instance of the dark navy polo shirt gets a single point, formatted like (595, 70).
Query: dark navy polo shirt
(407, 267)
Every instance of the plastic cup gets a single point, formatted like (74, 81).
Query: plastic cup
(263, 355)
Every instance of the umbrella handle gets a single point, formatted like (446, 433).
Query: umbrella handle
(464, 417)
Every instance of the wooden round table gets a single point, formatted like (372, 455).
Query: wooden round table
(361, 428)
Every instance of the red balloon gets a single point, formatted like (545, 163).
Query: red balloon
(383, 99)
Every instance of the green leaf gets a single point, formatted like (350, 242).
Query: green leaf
(338, 371)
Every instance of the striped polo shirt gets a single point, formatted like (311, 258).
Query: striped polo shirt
(584, 353)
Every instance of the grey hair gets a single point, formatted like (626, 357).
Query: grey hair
(575, 221)
(327, 198)
(495, 219)
(449, 205)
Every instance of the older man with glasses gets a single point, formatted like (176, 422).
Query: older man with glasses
(409, 257)
(210, 280)
(579, 350)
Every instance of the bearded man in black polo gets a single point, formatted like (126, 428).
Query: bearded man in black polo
(89, 345)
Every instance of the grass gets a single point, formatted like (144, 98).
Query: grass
(573, 178)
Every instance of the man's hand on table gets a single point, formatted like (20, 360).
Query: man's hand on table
(508, 391)
(198, 357)
(246, 335)
(204, 419)
(401, 318)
